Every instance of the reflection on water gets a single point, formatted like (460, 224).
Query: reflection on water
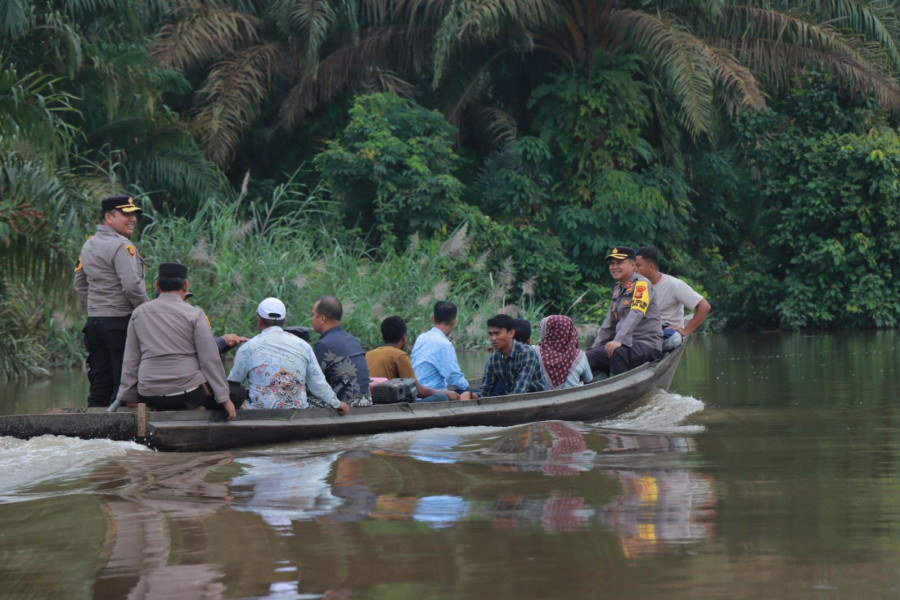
(180, 522)
(771, 471)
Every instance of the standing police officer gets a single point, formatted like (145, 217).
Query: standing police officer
(110, 278)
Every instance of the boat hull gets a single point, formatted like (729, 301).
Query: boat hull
(184, 431)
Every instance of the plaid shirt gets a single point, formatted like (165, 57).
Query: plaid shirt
(520, 372)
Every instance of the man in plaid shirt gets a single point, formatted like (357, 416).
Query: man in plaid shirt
(514, 363)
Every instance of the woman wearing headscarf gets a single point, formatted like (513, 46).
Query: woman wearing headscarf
(564, 364)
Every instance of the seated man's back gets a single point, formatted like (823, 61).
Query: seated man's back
(340, 354)
(433, 355)
(390, 361)
(280, 366)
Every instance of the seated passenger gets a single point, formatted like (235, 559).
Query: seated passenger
(523, 331)
(226, 341)
(340, 355)
(171, 361)
(523, 334)
(673, 295)
(280, 366)
(564, 364)
(390, 361)
(631, 333)
(512, 362)
(434, 357)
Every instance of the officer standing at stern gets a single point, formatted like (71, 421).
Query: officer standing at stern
(110, 279)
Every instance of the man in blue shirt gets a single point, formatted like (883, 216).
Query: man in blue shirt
(516, 364)
(434, 357)
(339, 354)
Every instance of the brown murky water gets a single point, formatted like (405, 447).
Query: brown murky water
(770, 470)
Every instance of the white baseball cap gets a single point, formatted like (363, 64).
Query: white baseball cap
(272, 309)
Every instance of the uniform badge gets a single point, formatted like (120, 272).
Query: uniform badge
(78, 266)
(641, 298)
(131, 251)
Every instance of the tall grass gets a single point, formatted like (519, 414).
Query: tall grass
(291, 248)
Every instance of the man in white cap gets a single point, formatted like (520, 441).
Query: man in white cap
(280, 366)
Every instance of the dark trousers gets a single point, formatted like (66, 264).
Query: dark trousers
(104, 340)
(623, 359)
(189, 401)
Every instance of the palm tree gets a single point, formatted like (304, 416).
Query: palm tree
(702, 55)
(95, 51)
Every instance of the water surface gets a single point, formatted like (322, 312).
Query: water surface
(770, 470)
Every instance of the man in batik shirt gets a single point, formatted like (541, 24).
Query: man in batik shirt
(280, 366)
(340, 355)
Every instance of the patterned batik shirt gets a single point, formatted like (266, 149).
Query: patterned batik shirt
(520, 371)
(280, 368)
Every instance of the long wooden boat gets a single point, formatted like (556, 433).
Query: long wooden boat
(200, 431)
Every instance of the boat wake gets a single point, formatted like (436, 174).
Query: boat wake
(661, 412)
(25, 463)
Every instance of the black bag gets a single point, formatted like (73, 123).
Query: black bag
(394, 390)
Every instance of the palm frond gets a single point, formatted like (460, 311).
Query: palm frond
(307, 22)
(498, 124)
(13, 18)
(185, 176)
(777, 47)
(36, 207)
(347, 66)
(473, 23)
(32, 111)
(680, 57)
(876, 21)
(202, 32)
(230, 99)
(740, 88)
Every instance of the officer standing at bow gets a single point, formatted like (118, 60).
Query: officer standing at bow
(110, 279)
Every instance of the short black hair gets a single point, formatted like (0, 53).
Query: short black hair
(272, 322)
(650, 254)
(444, 312)
(503, 322)
(392, 329)
(170, 284)
(523, 330)
(330, 307)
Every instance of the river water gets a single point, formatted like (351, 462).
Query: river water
(771, 469)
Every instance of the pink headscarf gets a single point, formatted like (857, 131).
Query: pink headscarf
(559, 347)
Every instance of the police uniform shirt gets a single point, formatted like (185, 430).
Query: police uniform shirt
(170, 349)
(110, 275)
(633, 316)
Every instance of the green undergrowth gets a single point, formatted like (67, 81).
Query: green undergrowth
(239, 252)
(287, 250)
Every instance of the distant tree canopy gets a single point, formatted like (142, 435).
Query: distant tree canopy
(753, 143)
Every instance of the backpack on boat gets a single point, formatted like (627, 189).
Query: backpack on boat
(392, 391)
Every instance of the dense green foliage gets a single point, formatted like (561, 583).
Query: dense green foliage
(392, 169)
(354, 141)
(827, 212)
